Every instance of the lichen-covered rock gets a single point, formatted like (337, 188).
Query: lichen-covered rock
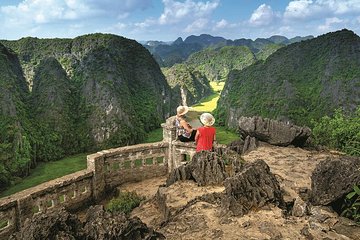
(103, 225)
(250, 144)
(273, 132)
(334, 177)
(252, 188)
(99, 225)
(237, 146)
(205, 168)
(55, 225)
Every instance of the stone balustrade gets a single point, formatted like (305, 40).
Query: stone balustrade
(105, 170)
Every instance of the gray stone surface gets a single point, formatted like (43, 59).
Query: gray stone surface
(252, 188)
(250, 144)
(99, 225)
(205, 168)
(333, 178)
(273, 132)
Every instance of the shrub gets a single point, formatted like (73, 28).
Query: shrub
(351, 206)
(125, 202)
(341, 132)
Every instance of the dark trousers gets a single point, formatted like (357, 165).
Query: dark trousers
(185, 139)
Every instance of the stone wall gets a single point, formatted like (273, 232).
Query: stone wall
(105, 170)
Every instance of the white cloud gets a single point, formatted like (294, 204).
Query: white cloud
(197, 25)
(304, 9)
(262, 16)
(176, 11)
(329, 22)
(221, 24)
(47, 11)
(298, 9)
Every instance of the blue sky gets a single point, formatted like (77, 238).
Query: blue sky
(168, 19)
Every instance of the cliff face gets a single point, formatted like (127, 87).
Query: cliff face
(187, 82)
(14, 125)
(300, 82)
(216, 64)
(51, 111)
(95, 91)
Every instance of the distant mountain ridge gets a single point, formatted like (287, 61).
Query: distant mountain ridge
(178, 51)
(298, 83)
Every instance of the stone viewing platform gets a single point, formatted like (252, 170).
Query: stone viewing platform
(105, 170)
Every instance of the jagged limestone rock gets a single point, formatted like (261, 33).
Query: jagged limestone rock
(252, 188)
(100, 225)
(250, 144)
(333, 178)
(273, 132)
(237, 146)
(55, 225)
(104, 225)
(205, 168)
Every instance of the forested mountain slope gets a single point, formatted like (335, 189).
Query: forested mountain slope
(187, 82)
(87, 93)
(300, 82)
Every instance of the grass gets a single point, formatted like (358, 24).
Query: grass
(209, 103)
(48, 171)
(154, 136)
(225, 136)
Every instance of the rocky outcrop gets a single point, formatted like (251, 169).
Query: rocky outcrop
(205, 168)
(56, 225)
(252, 188)
(273, 132)
(104, 225)
(244, 146)
(333, 178)
(99, 225)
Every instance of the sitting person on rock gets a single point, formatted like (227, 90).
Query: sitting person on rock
(205, 136)
(184, 131)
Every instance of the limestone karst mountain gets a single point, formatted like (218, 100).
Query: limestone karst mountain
(187, 82)
(14, 124)
(297, 83)
(87, 93)
(216, 64)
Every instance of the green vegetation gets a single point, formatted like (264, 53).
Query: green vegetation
(3, 223)
(154, 136)
(124, 203)
(208, 104)
(93, 92)
(341, 132)
(185, 80)
(299, 82)
(216, 64)
(351, 206)
(225, 136)
(48, 171)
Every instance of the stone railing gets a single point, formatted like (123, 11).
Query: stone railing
(105, 170)
(70, 191)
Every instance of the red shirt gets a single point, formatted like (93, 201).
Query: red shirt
(206, 138)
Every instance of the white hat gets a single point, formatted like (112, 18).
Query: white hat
(207, 119)
(182, 110)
